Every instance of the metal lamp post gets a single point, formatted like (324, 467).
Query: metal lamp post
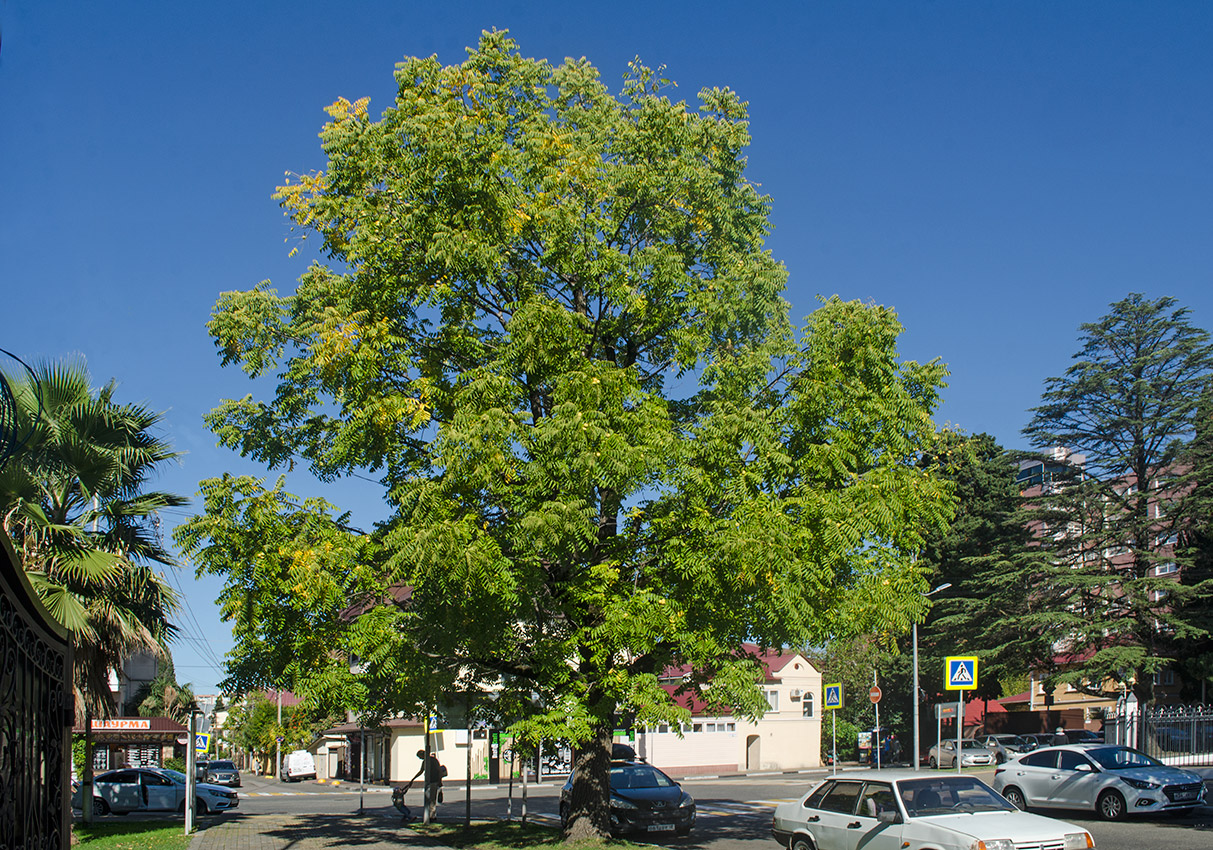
(914, 631)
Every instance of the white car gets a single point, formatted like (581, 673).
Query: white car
(973, 753)
(904, 810)
(151, 789)
(1114, 781)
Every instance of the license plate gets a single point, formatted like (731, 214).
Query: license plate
(1186, 795)
(661, 827)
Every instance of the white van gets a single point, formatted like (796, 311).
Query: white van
(298, 765)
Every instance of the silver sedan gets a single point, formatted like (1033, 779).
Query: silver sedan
(1114, 781)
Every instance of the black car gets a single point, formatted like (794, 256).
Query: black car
(1083, 736)
(643, 799)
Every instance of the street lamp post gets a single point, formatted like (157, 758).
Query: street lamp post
(914, 631)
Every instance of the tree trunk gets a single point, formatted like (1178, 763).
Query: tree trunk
(588, 814)
(86, 775)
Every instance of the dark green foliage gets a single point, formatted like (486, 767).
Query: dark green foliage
(1129, 404)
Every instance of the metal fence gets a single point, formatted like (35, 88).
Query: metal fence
(35, 717)
(1177, 735)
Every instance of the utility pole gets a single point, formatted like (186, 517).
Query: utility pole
(278, 746)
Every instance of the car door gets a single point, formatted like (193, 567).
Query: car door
(1079, 783)
(159, 792)
(837, 816)
(1036, 775)
(121, 791)
(866, 831)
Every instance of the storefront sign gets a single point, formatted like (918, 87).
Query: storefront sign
(122, 723)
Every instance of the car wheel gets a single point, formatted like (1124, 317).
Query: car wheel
(100, 807)
(200, 806)
(800, 842)
(932, 762)
(1015, 797)
(999, 758)
(1110, 805)
(564, 815)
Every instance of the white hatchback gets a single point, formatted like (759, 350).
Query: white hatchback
(904, 810)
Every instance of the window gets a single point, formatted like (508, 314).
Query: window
(1070, 760)
(1166, 676)
(806, 707)
(698, 727)
(841, 798)
(877, 798)
(773, 700)
(729, 727)
(813, 801)
(663, 727)
(1166, 569)
(712, 727)
(1045, 759)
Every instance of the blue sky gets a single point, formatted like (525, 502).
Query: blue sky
(997, 172)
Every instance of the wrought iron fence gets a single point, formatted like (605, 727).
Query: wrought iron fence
(1178, 735)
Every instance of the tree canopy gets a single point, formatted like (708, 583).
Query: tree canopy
(552, 328)
(1110, 520)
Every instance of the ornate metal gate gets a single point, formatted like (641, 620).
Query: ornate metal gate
(36, 713)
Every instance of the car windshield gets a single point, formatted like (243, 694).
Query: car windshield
(948, 795)
(1121, 758)
(638, 776)
(972, 744)
(174, 775)
(221, 765)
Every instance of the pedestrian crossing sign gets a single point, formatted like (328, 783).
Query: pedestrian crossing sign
(202, 742)
(960, 673)
(833, 697)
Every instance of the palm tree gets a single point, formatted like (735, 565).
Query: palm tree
(73, 500)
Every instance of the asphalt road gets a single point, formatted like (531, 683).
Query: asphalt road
(734, 813)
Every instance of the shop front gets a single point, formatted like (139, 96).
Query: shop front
(135, 741)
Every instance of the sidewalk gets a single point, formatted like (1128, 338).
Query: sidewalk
(303, 832)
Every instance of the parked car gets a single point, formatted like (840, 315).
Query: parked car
(900, 808)
(200, 769)
(223, 772)
(1114, 781)
(1039, 739)
(151, 789)
(643, 799)
(972, 754)
(298, 765)
(1005, 746)
(1083, 736)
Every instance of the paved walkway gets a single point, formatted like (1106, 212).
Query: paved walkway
(303, 832)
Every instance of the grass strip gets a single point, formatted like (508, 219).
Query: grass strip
(131, 835)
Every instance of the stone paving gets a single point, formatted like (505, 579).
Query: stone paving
(303, 832)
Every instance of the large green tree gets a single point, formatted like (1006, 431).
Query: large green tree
(995, 568)
(1129, 404)
(552, 328)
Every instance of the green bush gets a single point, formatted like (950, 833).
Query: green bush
(175, 763)
(848, 739)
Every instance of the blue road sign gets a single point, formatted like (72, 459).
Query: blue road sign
(202, 742)
(833, 697)
(960, 672)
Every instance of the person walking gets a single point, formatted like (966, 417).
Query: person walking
(1059, 738)
(434, 771)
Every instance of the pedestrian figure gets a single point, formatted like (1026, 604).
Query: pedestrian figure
(434, 771)
(1059, 737)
